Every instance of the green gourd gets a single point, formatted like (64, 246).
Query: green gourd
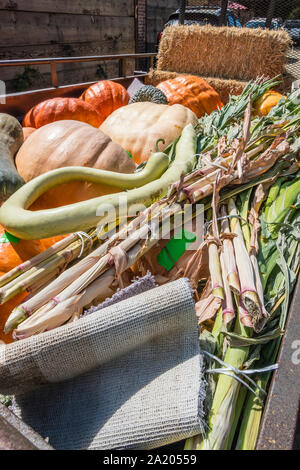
(11, 139)
(143, 188)
(149, 93)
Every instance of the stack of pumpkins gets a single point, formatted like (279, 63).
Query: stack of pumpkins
(98, 128)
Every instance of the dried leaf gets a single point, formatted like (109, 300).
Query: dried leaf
(120, 259)
(197, 266)
(207, 308)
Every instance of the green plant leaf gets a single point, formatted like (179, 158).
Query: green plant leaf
(237, 341)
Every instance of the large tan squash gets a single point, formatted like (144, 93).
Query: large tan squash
(138, 126)
(70, 143)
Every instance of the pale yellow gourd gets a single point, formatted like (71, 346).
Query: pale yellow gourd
(138, 126)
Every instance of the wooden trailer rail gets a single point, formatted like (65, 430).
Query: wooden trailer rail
(52, 61)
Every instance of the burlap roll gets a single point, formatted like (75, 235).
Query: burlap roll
(130, 375)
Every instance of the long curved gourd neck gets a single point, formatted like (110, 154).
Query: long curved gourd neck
(154, 168)
(27, 224)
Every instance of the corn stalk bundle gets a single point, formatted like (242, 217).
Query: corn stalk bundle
(246, 176)
(236, 162)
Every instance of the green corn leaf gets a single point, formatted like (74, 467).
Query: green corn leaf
(280, 208)
(254, 356)
(237, 341)
(273, 193)
(207, 342)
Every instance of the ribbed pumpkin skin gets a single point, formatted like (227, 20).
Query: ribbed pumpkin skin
(58, 109)
(266, 102)
(70, 143)
(192, 92)
(138, 126)
(106, 96)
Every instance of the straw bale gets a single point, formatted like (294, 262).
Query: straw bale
(223, 52)
(223, 86)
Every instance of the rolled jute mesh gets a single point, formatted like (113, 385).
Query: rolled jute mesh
(224, 87)
(223, 52)
(127, 376)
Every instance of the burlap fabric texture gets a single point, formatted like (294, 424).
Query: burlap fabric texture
(127, 376)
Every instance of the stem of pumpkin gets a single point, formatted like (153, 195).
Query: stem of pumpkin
(157, 142)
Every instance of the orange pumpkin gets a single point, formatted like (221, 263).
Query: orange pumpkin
(47, 242)
(14, 251)
(58, 109)
(266, 102)
(106, 96)
(193, 92)
(27, 131)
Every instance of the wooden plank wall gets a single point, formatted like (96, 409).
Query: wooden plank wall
(49, 28)
(158, 12)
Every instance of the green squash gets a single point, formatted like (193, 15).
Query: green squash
(149, 93)
(11, 139)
